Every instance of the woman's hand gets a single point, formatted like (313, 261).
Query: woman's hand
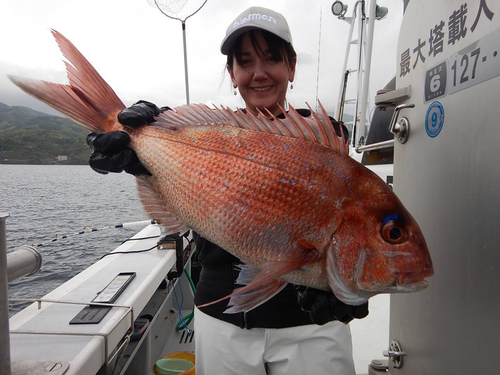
(324, 307)
(140, 113)
(111, 151)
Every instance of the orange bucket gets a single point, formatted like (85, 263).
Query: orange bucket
(179, 363)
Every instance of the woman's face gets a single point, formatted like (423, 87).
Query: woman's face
(261, 80)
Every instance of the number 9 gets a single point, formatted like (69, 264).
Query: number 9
(434, 118)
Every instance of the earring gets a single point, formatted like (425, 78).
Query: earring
(235, 93)
(291, 86)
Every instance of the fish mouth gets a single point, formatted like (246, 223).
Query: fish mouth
(413, 281)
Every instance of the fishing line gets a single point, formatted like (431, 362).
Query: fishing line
(139, 251)
(131, 252)
(319, 57)
(87, 229)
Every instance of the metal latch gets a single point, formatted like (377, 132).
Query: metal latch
(401, 128)
(395, 354)
(389, 98)
(378, 367)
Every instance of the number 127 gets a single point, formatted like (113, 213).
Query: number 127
(464, 65)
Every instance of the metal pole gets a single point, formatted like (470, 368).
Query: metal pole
(340, 111)
(185, 61)
(361, 43)
(4, 304)
(23, 261)
(346, 60)
(367, 67)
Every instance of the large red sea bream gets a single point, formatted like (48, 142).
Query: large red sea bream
(282, 195)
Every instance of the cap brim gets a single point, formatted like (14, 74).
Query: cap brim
(228, 42)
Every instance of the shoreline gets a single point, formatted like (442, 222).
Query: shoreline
(43, 162)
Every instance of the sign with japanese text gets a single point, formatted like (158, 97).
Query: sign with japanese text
(477, 62)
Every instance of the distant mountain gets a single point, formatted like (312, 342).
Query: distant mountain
(3, 107)
(33, 137)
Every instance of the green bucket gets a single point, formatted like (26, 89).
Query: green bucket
(173, 366)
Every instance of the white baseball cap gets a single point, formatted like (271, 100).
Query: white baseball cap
(256, 18)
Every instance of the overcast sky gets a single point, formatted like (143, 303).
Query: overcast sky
(139, 51)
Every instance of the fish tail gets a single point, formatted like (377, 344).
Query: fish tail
(87, 100)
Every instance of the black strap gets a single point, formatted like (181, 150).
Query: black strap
(222, 275)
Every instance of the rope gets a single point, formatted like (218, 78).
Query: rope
(87, 229)
(184, 320)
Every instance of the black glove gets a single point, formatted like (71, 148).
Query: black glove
(112, 154)
(324, 306)
(140, 113)
(111, 151)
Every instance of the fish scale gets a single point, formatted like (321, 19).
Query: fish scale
(253, 201)
(281, 194)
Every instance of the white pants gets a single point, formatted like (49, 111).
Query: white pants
(225, 349)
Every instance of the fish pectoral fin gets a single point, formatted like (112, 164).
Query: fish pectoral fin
(155, 207)
(263, 284)
(249, 297)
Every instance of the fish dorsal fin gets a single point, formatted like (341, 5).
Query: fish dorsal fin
(316, 128)
(154, 206)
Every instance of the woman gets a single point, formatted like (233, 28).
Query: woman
(300, 330)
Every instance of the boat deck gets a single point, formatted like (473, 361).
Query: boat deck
(44, 334)
(42, 337)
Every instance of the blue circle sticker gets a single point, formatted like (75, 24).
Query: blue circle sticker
(434, 119)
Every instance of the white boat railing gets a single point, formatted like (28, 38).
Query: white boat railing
(60, 333)
(4, 305)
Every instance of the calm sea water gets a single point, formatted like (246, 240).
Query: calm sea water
(48, 200)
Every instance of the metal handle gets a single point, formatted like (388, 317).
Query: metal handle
(401, 128)
(395, 354)
(375, 146)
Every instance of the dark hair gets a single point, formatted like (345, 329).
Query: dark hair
(280, 50)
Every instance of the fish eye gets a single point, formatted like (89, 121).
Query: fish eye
(393, 232)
